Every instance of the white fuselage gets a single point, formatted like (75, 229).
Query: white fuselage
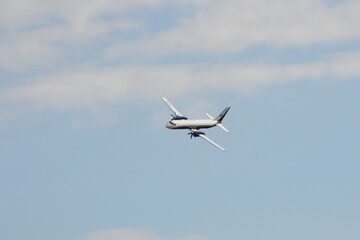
(191, 124)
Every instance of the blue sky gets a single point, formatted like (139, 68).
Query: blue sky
(84, 154)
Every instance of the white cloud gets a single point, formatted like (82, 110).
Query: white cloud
(88, 88)
(44, 34)
(346, 65)
(230, 26)
(20, 13)
(37, 32)
(123, 234)
(133, 234)
(54, 39)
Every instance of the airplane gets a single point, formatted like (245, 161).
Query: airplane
(179, 121)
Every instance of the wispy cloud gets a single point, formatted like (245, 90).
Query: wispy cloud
(228, 26)
(86, 88)
(94, 53)
(39, 33)
(133, 234)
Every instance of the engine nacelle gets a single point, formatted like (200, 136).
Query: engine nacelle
(179, 118)
(197, 133)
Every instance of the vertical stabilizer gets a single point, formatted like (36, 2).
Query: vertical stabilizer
(222, 115)
(220, 118)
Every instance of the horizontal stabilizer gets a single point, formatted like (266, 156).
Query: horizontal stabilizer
(222, 127)
(209, 116)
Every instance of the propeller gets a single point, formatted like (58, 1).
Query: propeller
(195, 134)
(191, 135)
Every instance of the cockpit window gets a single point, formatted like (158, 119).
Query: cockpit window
(172, 123)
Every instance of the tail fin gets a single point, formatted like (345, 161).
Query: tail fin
(222, 115)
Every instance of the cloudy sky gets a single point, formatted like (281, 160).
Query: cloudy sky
(84, 154)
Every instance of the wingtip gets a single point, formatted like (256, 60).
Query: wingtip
(165, 100)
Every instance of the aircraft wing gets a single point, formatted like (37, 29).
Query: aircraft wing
(176, 112)
(211, 141)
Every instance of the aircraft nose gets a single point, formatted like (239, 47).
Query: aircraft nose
(170, 125)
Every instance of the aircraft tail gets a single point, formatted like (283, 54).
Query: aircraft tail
(221, 116)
